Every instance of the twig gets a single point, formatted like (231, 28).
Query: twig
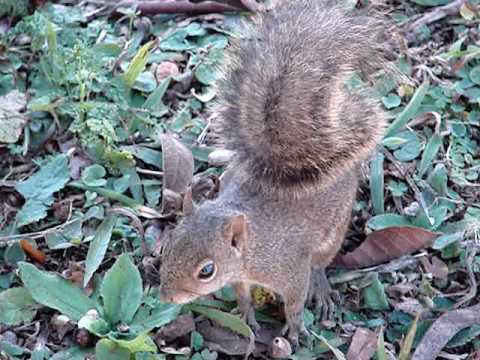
(179, 6)
(443, 329)
(437, 14)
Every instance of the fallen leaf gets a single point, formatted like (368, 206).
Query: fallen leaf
(436, 267)
(12, 120)
(179, 327)
(384, 245)
(443, 329)
(36, 255)
(177, 164)
(363, 345)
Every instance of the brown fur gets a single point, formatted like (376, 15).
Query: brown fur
(299, 134)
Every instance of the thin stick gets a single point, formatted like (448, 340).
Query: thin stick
(437, 14)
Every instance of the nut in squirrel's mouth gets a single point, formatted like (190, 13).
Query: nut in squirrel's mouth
(177, 296)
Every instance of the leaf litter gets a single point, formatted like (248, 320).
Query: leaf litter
(85, 137)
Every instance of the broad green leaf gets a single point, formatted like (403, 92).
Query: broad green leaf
(98, 247)
(207, 71)
(16, 306)
(147, 319)
(377, 184)
(227, 320)
(154, 100)
(464, 336)
(39, 188)
(145, 82)
(73, 353)
(121, 291)
(11, 349)
(391, 101)
(94, 324)
(374, 296)
(53, 291)
(196, 340)
(106, 349)
(14, 254)
(410, 110)
(93, 175)
(411, 149)
(384, 221)
(142, 343)
(475, 75)
(447, 239)
(429, 154)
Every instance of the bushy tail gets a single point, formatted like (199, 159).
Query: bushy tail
(287, 104)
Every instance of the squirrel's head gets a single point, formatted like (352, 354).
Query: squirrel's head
(202, 254)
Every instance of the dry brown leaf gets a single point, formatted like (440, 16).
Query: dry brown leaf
(436, 267)
(363, 345)
(12, 120)
(35, 254)
(443, 329)
(384, 245)
(177, 164)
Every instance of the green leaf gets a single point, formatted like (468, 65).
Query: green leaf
(384, 221)
(11, 349)
(207, 72)
(39, 188)
(377, 184)
(410, 110)
(475, 75)
(430, 2)
(338, 354)
(154, 100)
(429, 153)
(411, 149)
(98, 247)
(227, 320)
(142, 343)
(53, 291)
(106, 349)
(408, 341)
(93, 175)
(381, 352)
(138, 64)
(393, 142)
(73, 353)
(16, 306)
(464, 336)
(374, 297)
(147, 319)
(121, 291)
(447, 239)
(391, 101)
(196, 340)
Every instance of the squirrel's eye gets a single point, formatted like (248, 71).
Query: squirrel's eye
(207, 271)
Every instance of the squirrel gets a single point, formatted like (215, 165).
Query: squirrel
(299, 132)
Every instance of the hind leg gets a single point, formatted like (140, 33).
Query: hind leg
(321, 296)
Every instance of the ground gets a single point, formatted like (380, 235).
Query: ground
(89, 185)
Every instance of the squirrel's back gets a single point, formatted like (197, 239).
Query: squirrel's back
(284, 104)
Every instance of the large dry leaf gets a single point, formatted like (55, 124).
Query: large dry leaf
(177, 164)
(363, 345)
(443, 329)
(12, 120)
(387, 244)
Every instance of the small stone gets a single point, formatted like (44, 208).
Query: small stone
(166, 69)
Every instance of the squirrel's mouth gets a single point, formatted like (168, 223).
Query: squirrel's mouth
(177, 296)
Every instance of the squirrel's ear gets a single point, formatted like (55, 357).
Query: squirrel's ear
(235, 232)
(188, 206)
